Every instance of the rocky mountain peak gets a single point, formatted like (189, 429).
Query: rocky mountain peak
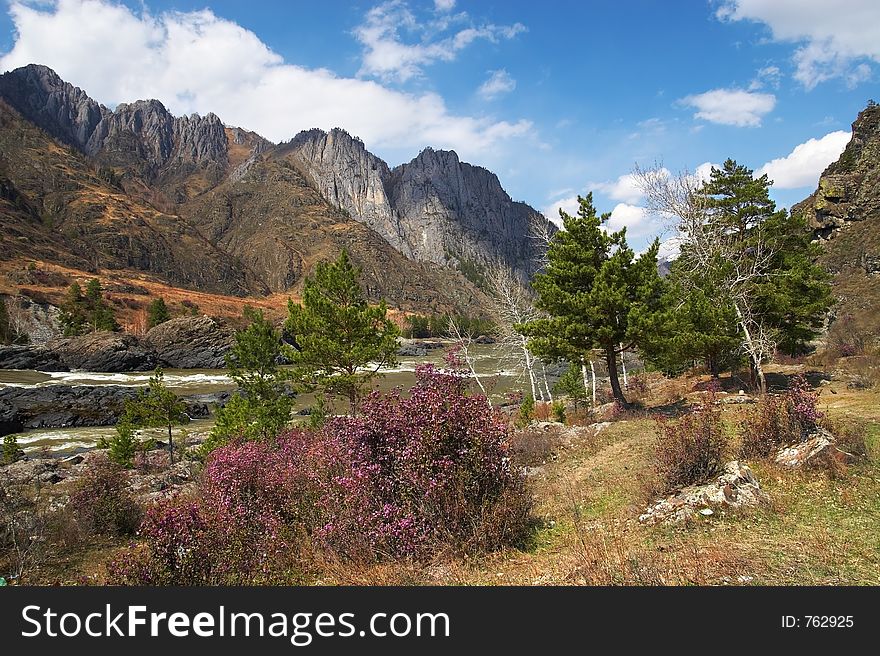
(64, 111)
(848, 188)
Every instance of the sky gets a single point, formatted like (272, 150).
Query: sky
(558, 98)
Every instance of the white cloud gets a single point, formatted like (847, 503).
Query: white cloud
(767, 76)
(498, 84)
(444, 5)
(669, 248)
(731, 106)
(638, 221)
(803, 165)
(389, 58)
(197, 62)
(624, 189)
(569, 205)
(832, 38)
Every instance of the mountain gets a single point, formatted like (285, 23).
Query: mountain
(435, 208)
(207, 206)
(844, 213)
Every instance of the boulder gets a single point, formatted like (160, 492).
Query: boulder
(735, 488)
(412, 351)
(190, 343)
(818, 449)
(104, 351)
(38, 358)
(58, 406)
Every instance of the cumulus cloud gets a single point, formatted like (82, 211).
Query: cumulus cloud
(638, 221)
(498, 84)
(389, 57)
(731, 106)
(803, 165)
(624, 189)
(198, 62)
(831, 39)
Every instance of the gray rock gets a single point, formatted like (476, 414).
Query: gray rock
(104, 351)
(59, 406)
(818, 449)
(432, 209)
(190, 343)
(38, 358)
(737, 487)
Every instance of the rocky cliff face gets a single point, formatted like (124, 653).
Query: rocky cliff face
(352, 179)
(143, 134)
(844, 212)
(433, 209)
(849, 189)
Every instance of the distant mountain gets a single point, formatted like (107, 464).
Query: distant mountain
(844, 213)
(433, 209)
(212, 207)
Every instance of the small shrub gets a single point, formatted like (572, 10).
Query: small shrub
(122, 446)
(406, 479)
(558, 411)
(778, 421)
(10, 449)
(533, 447)
(526, 411)
(691, 450)
(101, 501)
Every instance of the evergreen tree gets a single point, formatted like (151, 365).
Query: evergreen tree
(700, 326)
(338, 333)
(596, 292)
(262, 405)
(157, 312)
(81, 312)
(155, 407)
(789, 294)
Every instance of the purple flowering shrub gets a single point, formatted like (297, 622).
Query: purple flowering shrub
(778, 421)
(407, 478)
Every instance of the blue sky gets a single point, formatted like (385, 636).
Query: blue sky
(557, 98)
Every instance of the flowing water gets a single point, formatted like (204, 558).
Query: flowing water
(495, 374)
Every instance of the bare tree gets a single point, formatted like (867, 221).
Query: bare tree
(464, 342)
(712, 250)
(513, 304)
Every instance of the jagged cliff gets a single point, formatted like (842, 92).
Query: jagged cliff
(197, 203)
(844, 212)
(433, 209)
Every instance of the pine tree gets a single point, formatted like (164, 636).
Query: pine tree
(785, 294)
(155, 407)
(157, 312)
(338, 333)
(262, 405)
(81, 312)
(597, 294)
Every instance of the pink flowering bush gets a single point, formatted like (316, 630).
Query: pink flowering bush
(778, 421)
(407, 478)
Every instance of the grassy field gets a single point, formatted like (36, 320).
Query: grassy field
(820, 528)
(589, 479)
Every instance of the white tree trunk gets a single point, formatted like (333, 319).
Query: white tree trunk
(546, 384)
(593, 379)
(527, 357)
(623, 368)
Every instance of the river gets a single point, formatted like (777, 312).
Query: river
(496, 375)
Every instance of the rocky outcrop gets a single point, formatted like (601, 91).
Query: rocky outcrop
(433, 209)
(190, 343)
(61, 406)
(144, 131)
(38, 358)
(453, 213)
(352, 179)
(849, 189)
(104, 351)
(819, 449)
(737, 487)
(61, 109)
